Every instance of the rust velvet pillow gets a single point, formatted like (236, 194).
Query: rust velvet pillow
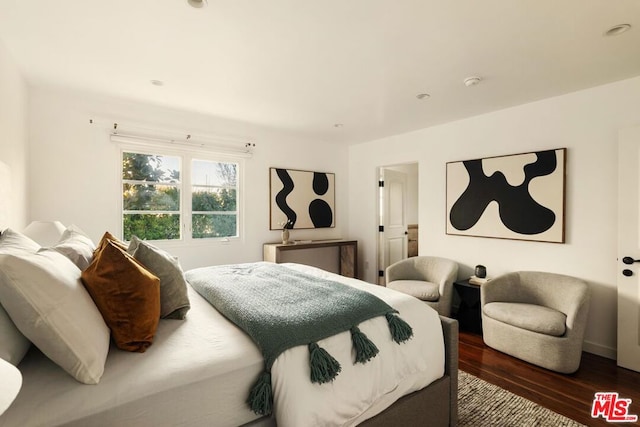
(108, 237)
(127, 295)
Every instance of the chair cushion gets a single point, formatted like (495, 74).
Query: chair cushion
(425, 291)
(536, 318)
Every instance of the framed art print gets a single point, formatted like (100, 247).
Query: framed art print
(301, 199)
(518, 196)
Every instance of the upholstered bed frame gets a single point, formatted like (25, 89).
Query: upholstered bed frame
(438, 402)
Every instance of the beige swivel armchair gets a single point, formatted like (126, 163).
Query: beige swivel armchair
(427, 278)
(537, 317)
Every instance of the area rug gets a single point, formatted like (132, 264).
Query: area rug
(483, 404)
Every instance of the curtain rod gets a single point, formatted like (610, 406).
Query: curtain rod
(150, 137)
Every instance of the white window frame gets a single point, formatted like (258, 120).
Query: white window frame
(219, 159)
(186, 156)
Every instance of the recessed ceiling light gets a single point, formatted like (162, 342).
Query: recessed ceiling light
(157, 82)
(472, 81)
(618, 29)
(197, 3)
(423, 96)
(338, 125)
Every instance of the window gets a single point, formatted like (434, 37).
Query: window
(214, 196)
(157, 202)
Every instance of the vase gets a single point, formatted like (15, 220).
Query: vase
(285, 236)
(481, 271)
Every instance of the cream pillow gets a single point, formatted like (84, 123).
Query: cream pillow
(13, 345)
(43, 295)
(12, 241)
(76, 246)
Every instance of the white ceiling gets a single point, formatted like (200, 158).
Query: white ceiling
(304, 65)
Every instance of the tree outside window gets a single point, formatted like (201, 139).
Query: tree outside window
(154, 198)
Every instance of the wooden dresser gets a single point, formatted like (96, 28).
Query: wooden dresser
(338, 256)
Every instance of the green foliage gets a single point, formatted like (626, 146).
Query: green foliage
(151, 226)
(223, 200)
(147, 167)
(213, 225)
(150, 197)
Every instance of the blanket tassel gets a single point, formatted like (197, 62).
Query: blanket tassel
(364, 347)
(261, 398)
(401, 331)
(324, 368)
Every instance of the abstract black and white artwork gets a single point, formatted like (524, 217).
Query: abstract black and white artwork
(519, 196)
(301, 199)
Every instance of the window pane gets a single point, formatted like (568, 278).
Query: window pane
(206, 199)
(214, 190)
(151, 185)
(151, 226)
(150, 197)
(216, 174)
(149, 167)
(212, 225)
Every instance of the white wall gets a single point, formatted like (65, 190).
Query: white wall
(74, 169)
(13, 144)
(585, 122)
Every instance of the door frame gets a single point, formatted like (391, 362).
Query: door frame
(380, 280)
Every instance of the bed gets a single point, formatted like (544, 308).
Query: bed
(198, 372)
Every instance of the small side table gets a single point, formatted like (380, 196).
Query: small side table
(469, 315)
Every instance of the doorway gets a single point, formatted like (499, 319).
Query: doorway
(397, 215)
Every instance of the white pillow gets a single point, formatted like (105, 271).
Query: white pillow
(46, 300)
(45, 233)
(76, 246)
(13, 345)
(12, 241)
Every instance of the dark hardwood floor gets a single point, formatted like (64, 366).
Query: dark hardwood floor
(569, 395)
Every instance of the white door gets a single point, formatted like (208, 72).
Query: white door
(629, 248)
(393, 217)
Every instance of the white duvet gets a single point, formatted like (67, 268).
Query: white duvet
(360, 391)
(199, 372)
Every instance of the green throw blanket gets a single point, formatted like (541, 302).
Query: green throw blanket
(280, 308)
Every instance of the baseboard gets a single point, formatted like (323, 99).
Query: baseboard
(600, 350)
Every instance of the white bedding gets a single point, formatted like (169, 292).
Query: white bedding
(360, 391)
(199, 372)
